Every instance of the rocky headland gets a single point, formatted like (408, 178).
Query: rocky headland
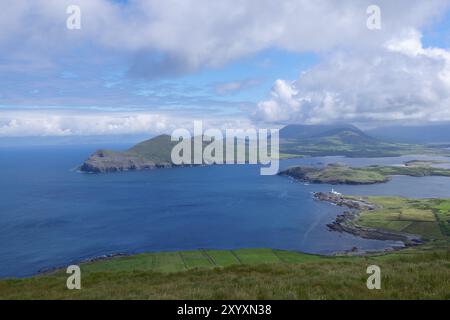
(347, 221)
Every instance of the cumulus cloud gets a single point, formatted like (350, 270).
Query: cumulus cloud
(401, 81)
(364, 75)
(172, 37)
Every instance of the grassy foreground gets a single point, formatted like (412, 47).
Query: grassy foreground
(246, 274)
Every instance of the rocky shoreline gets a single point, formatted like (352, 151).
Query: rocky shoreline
(345, 222)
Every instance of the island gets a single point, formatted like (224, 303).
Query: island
(149, 154)
(341, 174)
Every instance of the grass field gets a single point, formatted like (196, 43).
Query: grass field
(442, 211)
(246, 274)
(428, 218)
(197, 259)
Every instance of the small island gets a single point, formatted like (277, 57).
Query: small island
(342, 174)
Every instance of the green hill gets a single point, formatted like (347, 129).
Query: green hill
(343, 140)
(149, 154)
(157, 149)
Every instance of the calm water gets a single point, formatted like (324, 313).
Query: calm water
(50, 215)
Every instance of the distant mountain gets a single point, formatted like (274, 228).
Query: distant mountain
(414, 134)
(341, 140)
(333, 134)
(299, 131)
(350, 135)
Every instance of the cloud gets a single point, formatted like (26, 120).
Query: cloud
(56, 122)
(400, 82)
(225, 88)
(166, 38)
(364, 75)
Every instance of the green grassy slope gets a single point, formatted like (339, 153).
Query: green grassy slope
(251, 274)
(204, 259)
(157, 149)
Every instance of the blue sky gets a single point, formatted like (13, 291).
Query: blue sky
(143, 63)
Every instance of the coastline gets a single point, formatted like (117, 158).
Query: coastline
(346, 222)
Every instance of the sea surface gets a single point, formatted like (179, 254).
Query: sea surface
(51, 215)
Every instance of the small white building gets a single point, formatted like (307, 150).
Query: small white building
(335, 192)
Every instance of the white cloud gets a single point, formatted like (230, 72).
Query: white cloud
(360, 81)
(90, 123)
(172, 37)
(401, 81)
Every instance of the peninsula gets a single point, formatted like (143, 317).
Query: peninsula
(411, 221)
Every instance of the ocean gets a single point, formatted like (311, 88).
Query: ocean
(51, 215)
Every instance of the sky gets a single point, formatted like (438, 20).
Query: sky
(151, 66)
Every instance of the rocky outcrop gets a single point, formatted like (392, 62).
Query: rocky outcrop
(342, 201)
(345, 223)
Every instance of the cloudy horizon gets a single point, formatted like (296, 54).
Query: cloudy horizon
(148, 67)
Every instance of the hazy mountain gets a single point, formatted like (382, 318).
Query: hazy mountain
(342, 140)
(299, 131)
(414, 134)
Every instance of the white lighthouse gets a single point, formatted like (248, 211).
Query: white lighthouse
(335, 192)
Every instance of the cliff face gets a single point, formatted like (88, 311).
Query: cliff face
(108, 161)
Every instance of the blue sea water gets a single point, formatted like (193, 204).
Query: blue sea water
(51, 215)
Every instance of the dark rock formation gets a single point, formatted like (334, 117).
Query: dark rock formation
(343, 201)
(109, 161)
